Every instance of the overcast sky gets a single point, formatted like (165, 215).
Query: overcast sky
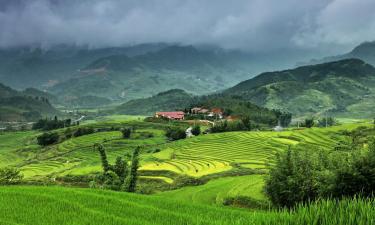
(329, 26)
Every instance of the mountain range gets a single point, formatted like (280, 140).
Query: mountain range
(27, 105)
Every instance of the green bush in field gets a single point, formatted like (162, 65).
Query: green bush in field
(126, 132)
(130, 182)
(196, 130)
(309, 122)
(117, 176)
(83, 131)
(175, 133)
(301, 176)
(48, 138)
(9, 175)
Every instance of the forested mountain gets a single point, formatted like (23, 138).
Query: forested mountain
(23, 106)
(345, 87)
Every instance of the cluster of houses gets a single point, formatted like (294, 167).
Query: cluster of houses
(216, 113)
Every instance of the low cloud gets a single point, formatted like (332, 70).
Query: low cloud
(253, 25)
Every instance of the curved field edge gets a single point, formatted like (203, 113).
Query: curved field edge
(73, 206)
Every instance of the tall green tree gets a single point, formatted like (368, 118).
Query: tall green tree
(103, 157)
(120, 168)
(131, 179)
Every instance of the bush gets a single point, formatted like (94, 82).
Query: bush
(83, 131)
(309, 123)
(9, 175)
(126, 132)
(196, 130)
(48, 124)
(48, 138)
(174, 134)
(330, 121)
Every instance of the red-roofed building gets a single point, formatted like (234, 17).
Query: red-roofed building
(179, 115)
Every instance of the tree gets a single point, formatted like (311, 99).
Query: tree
(120, 168)
(309, 122)
(175, 133)
(131, 180)
(327, 121)
(103, 157)
(196, 130)
(126, 132)
(293, 179)
(48, 138)
(10, 175)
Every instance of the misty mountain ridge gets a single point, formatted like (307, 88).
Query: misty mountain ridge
(345, 87)
(27, 105)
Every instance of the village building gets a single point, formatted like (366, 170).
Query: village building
(216, 112)
(198, 110)
(178, 115)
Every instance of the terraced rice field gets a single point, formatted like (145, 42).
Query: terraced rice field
(216, 153)
(198, 156)
(215, 191)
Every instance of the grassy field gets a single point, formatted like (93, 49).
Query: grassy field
(69, 206)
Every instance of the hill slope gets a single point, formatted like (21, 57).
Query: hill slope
(342, 87)
(24, 106)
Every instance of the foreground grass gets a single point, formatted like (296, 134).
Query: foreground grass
(71, 206)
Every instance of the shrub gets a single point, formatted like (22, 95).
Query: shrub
(196, 130)
(83, 131)
(174, 134)
(126, 132)
(309, 122)
(48, 138)
(9, 175)
(330, 121)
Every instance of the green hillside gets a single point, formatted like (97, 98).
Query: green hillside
(28, 105)
(69, 206)
(165, 101)
(344, 87)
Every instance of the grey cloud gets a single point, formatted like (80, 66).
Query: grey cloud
(256, 25)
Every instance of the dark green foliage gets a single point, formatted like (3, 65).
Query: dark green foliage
(358, 177)
(240, 125)
(309, 122)
(10, 175)
(327, 122)
(117, 176)
(131, 180)
(48, 138)
(126, 132)
(48, 124)
(196, 130)
(305, 175)
(83, 131)
(284, 118)
(103, 158)
(175, 133)
(120, 168)
(283, 187)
